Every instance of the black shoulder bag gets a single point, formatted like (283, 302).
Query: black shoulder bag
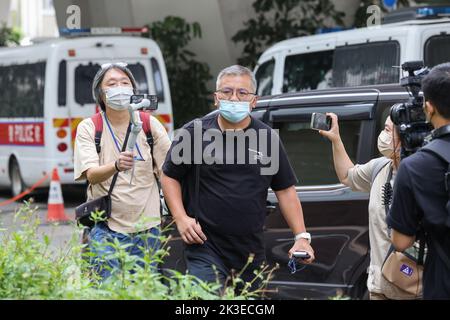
(102, 204)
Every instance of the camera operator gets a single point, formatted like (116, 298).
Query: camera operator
(372, 177)
(420, 195)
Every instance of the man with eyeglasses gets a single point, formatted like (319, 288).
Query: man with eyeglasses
(223, 229)
(135, 216)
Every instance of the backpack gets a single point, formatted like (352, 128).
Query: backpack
(145, 118)
(441, 149)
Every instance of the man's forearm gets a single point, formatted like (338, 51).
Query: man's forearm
(342, 162)
(291, 209)
(100, 174)
(173, 196)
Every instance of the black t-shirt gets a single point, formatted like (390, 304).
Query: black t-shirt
(420, 196)
(232, 196)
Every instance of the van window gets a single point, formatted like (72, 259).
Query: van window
(366, 64)
(157, 79)
(264, 78)
(437, 50)
(140, 76)
(84, 76)
(85, 73)
(310, 154)
(62, 83)
(22, 90)
(308, 71)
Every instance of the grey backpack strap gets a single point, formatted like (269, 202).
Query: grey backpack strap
(379, 164)
(441, 148)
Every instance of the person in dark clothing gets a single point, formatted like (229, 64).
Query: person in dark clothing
(420, 195)
(223, 228)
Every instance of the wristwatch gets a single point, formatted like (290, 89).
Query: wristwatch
(303, 235)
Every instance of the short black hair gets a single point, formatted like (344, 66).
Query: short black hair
(436, 88)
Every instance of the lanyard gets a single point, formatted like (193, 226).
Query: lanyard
(117, 144)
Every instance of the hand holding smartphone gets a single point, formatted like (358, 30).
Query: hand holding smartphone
(320, 121)
(301, 255)
(137, 98)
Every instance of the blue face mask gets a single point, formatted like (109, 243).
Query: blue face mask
(234, 111)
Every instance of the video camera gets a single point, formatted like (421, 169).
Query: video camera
(409, 116)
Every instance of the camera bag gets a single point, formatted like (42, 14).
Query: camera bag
(402, 269)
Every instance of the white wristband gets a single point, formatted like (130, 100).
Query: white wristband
(303, 235)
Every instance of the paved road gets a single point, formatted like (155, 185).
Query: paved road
(59, 234)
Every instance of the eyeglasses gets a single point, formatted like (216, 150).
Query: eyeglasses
(241, 93)
(119, 64)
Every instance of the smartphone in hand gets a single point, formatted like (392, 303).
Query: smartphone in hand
(320, 121)
(137, 98)
(301, 255)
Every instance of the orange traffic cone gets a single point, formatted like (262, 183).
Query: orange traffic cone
(55, 200)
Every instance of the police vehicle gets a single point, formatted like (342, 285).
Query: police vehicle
(45, 92)
(356, 57)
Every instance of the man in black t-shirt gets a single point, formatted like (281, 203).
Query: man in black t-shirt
(236, 159)
(420, 195)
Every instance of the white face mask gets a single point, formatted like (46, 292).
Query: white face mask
(385, 144)
(118, 98)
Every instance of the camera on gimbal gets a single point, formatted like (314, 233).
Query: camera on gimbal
(409, 116)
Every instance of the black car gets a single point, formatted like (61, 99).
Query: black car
(336, 217)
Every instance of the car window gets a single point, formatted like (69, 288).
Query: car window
(366, 64)
(310, 154)
(264, 78)
(308, 71)
(437, 50)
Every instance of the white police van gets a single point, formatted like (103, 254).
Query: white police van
(356, 57)
(45, 92)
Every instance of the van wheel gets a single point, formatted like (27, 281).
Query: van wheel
(17, 184)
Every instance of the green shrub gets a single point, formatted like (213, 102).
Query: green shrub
(31, 268)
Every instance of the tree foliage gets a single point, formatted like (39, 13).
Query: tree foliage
(9, 36)
(278, 20)
(188, 77)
